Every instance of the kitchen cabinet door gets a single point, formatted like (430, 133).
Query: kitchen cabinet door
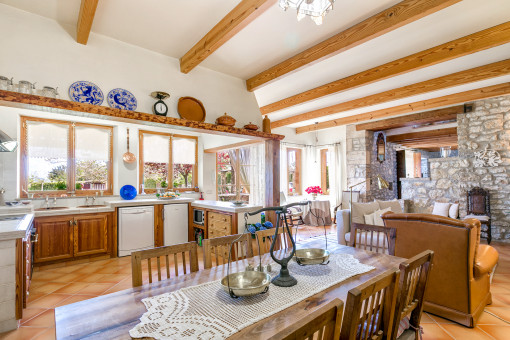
(55, 238)
(90, 234)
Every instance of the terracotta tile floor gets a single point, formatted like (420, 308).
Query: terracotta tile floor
(61, 286)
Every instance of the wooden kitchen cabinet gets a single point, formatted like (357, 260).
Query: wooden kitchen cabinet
(90, 235)
(70, 237)
(218, 224)
(55, 238)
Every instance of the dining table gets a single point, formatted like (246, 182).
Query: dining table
(112, 316)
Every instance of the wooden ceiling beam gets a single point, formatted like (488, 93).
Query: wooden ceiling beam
(85, 20)
(484, 72)
(428, 117)
(476, 42)
(232, 146)
(237, 19)
(383, 22)
(448, 100)
(422, 135)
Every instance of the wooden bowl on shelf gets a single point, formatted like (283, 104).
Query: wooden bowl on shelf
(225, 120)
(251, 126)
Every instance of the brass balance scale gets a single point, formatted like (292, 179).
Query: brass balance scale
(252, 282)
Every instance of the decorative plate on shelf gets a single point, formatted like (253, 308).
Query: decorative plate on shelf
(191, 108)
(121, 99)
(86, 92)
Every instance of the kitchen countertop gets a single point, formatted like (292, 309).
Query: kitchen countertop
(225, 206)
(150, 201)
(14, 226)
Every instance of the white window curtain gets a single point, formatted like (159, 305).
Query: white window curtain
(257, 175)
(336, 179)
(283, 168)
(156, 148)
(311, 168)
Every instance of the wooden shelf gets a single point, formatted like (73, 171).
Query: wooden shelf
(27, 101)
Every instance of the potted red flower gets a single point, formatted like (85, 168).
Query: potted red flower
(314, 190)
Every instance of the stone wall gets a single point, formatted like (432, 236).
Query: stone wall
(359, 146)
(386, 169)
(451, 178)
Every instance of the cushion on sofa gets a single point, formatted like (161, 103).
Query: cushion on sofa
(377, 216)
(395, 205)
(441, 209)
(453, 212)
(369, 219)
(359, 210)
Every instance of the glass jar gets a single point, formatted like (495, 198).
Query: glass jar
(26, 87)
(5, 83)
(50, 92)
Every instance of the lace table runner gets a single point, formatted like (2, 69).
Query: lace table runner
(206, 311)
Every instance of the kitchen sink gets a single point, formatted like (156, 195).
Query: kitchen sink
(92, 206)
(51, 208)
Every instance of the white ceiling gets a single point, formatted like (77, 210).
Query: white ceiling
(172, 27)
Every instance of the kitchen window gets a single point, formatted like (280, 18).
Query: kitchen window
(167, 161)
(233, 171)
(293, 171)
(325, 170)
(61, 157)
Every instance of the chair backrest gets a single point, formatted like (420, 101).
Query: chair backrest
(265, 237)
(454, 243)
(220, 247)
(478, 202)
(373, 238)
(414, 274)
(171, 254)
(346, 197)
(324, 323)
(370, 307)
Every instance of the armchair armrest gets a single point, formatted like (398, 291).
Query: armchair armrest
(343, 225)
(486, 258)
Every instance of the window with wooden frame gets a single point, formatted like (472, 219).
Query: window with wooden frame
(167, 161)
(60, 157)
(233, 169)
(293, 171)
(325, 167)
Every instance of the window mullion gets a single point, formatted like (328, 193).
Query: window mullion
(71, 161)
(170, 174)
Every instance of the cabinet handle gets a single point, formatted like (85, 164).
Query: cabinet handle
(28, 262)
(35, 240)
(70, 223)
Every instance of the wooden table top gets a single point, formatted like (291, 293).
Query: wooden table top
(112, 316)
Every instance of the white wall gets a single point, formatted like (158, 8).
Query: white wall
(40, 50)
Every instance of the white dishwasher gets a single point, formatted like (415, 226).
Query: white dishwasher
(136, 229)
(175, 223)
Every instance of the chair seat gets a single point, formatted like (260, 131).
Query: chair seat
(483, 218)
(381, 237)
(295, 212)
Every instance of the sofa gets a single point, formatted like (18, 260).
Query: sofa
(359, 210)
(459, 283)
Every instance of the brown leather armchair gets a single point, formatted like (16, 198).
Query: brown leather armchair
(459, 282)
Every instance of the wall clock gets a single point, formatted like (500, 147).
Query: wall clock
(160, 108)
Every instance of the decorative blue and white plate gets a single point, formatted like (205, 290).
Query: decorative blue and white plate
(121, 99)
(86, 92)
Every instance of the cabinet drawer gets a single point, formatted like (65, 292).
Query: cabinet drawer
(219, 224)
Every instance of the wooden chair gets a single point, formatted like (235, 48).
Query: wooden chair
(479, 207)
(373, 238)
(138, 256)
(370, 308)
(324, 323)
(265, 237)
(220, 247)
(414, 274)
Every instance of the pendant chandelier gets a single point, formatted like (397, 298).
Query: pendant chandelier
(316, 9)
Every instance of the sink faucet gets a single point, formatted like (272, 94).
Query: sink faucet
(93, 200)
(87, 200)
(47, 202)
(55, 201)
